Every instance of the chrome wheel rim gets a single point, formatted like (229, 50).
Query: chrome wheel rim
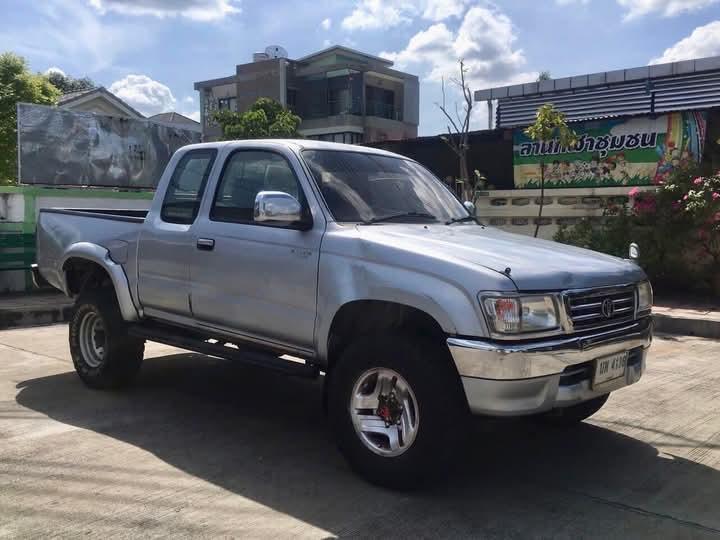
(92, 339)
(384, 412)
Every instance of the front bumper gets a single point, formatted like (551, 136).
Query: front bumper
(502, 379)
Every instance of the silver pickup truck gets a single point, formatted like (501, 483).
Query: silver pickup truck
(318, 258)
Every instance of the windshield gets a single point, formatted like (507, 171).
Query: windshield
(361, 187)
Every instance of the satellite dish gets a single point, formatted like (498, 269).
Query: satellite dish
(276, 51)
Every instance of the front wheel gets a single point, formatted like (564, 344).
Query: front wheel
(103, 353)
(397, 410)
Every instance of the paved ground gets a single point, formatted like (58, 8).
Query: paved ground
(202, 447)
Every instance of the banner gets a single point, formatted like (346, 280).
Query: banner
(616, 152)
(69, 148)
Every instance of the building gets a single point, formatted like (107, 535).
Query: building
(97, 100)
(177, 120)
(634, 125)
(341, 94)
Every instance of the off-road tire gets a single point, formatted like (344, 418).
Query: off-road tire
(428, 369)
(573, 415)
(123, 354)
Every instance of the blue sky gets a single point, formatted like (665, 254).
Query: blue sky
(151, 51)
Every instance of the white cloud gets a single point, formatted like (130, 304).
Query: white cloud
(70, 32)
(54, 69)
(568, 2)
(484, 41)
(197, 10)
(375, 14)
(667, 8)
(438, 10)
(189, 100)
(145, 94)
(703, 41)
(326, 43)
(326, 23)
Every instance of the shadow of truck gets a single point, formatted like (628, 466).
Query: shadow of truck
(264, 437)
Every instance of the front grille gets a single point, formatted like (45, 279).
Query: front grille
(586, 309)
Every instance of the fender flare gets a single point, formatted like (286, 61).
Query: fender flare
(101, 256)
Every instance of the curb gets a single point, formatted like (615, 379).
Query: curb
(686, 326)
(16, 318)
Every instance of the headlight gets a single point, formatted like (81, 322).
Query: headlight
(521, 314)
(645, 297)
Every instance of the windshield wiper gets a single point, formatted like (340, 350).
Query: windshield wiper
(460, 220)
(398, 216)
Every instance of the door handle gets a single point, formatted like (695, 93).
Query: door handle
(206, 244)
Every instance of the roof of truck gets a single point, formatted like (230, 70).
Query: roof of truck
(298, 144)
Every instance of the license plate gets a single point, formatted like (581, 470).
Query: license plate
(610, 367)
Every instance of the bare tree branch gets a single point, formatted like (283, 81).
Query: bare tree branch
(458, 128)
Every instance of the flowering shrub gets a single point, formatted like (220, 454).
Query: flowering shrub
(677, 226)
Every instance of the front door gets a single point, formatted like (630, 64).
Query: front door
(252, 278)
(166, 244)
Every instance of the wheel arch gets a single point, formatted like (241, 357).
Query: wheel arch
(367, 317)
(89, 265)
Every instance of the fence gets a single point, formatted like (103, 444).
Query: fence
(19, 207)
(516, 210)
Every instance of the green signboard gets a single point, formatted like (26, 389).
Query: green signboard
(612, 152)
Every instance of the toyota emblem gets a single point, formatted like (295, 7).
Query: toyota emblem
(607, 308)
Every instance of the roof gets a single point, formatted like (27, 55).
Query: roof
(348, 50)
(173, 117)
(297, 144)
(690, 85)
(643, 73)
(85, 95)
(230, 79)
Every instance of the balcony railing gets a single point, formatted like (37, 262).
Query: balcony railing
(382, 110)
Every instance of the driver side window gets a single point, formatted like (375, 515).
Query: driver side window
(246, 173)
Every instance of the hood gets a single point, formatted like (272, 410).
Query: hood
(535, 264)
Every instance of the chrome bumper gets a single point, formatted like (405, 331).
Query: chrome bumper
(503, 379)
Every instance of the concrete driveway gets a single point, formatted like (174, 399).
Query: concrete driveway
(207, 448)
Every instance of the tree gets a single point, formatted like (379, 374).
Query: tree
(265, 119)
(17, 84)
(543, 76)
(67, 84)
(549, 124)
(459, 123)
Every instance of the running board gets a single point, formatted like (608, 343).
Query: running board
(167, 336)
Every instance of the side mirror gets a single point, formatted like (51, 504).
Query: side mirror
(470, 207)
(277, 207)
(634, 252)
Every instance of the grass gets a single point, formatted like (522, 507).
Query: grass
(589, 182)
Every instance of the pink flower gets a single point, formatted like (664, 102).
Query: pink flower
(698, 181)
(685, 197)
(715, 195)
(633, 192)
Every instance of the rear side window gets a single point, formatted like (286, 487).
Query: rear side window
(185, 190)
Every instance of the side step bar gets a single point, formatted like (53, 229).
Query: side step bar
(171, 336)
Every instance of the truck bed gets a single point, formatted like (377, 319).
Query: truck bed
(60, 228)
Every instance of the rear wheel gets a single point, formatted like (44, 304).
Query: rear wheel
(570, 416)
(103, 353)
(396, 408)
